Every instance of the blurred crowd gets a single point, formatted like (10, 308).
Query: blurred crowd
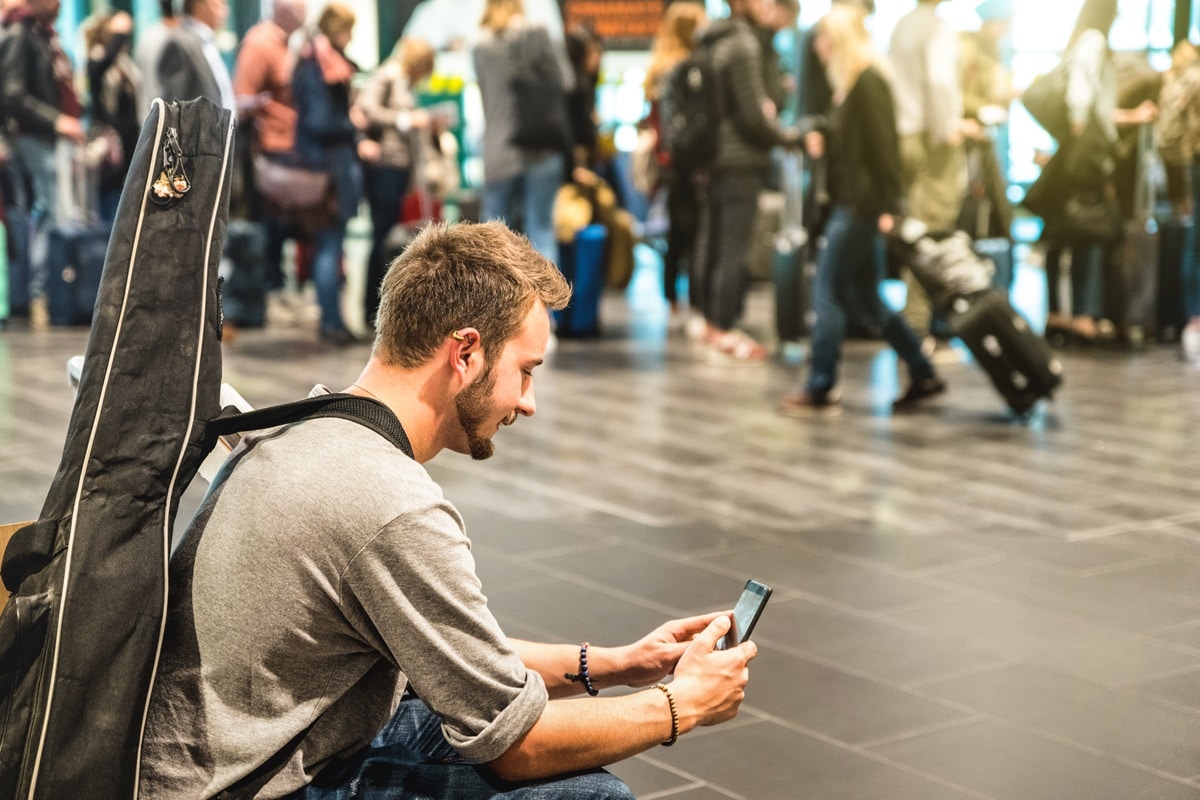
(861, 137)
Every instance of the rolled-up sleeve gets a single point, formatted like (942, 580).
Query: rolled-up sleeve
(413, 589)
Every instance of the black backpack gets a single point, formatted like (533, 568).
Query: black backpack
(691, 109)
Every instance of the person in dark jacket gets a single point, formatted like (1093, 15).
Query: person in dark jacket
(113, 83)
(326, 139)
(747, 131)
(39, 98)
(865, 185)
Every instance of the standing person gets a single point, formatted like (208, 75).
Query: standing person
(866, 187)
(114, 83)
(388, 102)
(929, 115)
(326, 139)
(38, 95)
(1083, 165)
(326, 573)
(1177, 132)
(673, 42)
(262, 84)
(150, 43)
(190, 64)
(519, 182)
(747, 131)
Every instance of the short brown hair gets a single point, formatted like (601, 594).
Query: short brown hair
(479, 275)
(335, 18)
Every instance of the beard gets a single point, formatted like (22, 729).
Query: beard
(473, 405)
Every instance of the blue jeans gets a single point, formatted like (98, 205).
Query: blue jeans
(847, 287)
(1191, 252)
(327, 274)
(37, 160)
(534, 189)
(386, 187)
(410, 759)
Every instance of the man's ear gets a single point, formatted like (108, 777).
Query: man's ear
(466, 353)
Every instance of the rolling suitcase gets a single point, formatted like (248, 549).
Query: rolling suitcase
(244, 274)
(1140, 253)
(1171, 310)
(582, 263)
(792, 270)
(77, 243)
(75, 260)
(1020, 363)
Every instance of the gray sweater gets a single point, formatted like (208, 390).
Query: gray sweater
(324, 571)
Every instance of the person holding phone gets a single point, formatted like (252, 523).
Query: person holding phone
(326, 573)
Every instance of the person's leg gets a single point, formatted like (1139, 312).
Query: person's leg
(829, 330)
(411, 759)
(1191, 257)
(498, 199)
(681, 232)
(542, 181)
(1087, 287)
(385, 187)
(738, 199)
(37, 159)
(327, 277)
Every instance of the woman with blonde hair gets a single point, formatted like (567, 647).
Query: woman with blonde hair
(865, 186)
(672, 44)
(388, 102)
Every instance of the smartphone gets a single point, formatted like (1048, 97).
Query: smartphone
(746, 613)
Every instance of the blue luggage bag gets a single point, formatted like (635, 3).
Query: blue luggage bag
(582, 263)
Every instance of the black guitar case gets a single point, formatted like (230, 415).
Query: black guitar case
(80, 636)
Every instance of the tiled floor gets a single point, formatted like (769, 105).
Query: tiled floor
(965, 607)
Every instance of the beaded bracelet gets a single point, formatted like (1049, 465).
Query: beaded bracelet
(583, 676)
(674, 714)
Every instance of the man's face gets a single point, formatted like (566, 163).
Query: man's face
(504, 390)
(212, 13)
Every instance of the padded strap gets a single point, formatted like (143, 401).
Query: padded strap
(29, 549)
(363, 410)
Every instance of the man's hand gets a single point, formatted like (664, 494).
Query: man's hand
(710, 684)
(653, 657)
(70, 128)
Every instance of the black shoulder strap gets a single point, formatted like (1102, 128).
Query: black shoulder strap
(363, 410)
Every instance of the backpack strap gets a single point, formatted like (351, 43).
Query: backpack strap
(363, 410)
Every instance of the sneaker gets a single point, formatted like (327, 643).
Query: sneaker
(917, 392)
(1189, 344)
(737, 347)
(696, 327)
(809, 404)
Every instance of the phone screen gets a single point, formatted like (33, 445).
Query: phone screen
(746, 613)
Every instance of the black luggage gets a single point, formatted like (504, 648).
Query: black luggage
(1140, 252)
(244, 274)
(74, 264)
(1019, 362)
(792, 269)
(80, 635)
(1171, 309)
(958, 280)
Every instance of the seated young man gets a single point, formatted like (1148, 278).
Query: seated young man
(325, 573)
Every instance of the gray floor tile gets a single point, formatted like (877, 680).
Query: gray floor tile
(1009, 764)
(786, 765)
(1120, 725)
